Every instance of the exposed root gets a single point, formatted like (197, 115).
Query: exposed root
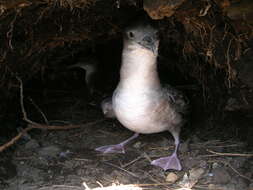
(34, 125)
(229, 154)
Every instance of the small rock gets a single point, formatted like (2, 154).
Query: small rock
(137, 145)
(221, 176)
(196, 173)
(171, 177)
(215, 165)
(190, 180)
(49, 151)
(32, 144)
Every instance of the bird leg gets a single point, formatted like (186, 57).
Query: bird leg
(117, 148)
(170, 162)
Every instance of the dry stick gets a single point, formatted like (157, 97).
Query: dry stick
(127, 186)
(228, 154)
(145, 155)
(61, 187)
(133, 161)
(40, 126)
(35, 125)
(40, 111)
(101, 185)
(204, 12)
(225, 146)
(13, 140)
(114, 187)
(161, 148)
(22, 103)
(228, 64)
(120, 168)
(9, 34)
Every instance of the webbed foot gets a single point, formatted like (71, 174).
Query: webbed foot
(169, 162)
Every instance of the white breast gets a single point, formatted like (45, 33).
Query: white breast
(136, 111)
(137, 101)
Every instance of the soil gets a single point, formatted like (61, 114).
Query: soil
(67, 160)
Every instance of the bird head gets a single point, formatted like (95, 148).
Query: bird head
(144, 35)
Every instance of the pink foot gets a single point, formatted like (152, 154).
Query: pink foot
(170, 162)
(117, 148)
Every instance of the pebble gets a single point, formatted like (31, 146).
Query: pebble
(171, 177)
(221, 176)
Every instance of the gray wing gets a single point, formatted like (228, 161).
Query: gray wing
(177, 99)
(107, 108)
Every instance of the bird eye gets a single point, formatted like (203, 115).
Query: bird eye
(131, 34)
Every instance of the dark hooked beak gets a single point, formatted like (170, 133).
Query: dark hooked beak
(151, 43)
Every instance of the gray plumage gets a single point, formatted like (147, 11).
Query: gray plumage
(140, 102)
(107, 108)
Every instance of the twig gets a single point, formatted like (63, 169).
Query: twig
(13, 140)
(83, 159)
(49, 127)
(147, 156)
(118, 167)
(224, 146)
(40, 111)
(228, 64)
(115, 187)
(204, 11)
(60, 187)
(229, 154)
(161, 148)
(133, 161)
(22, 98)
(123, 187)
(35, 125)
(9, 34)
(100, 184)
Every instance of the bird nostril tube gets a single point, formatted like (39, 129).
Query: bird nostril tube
(148, 39)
